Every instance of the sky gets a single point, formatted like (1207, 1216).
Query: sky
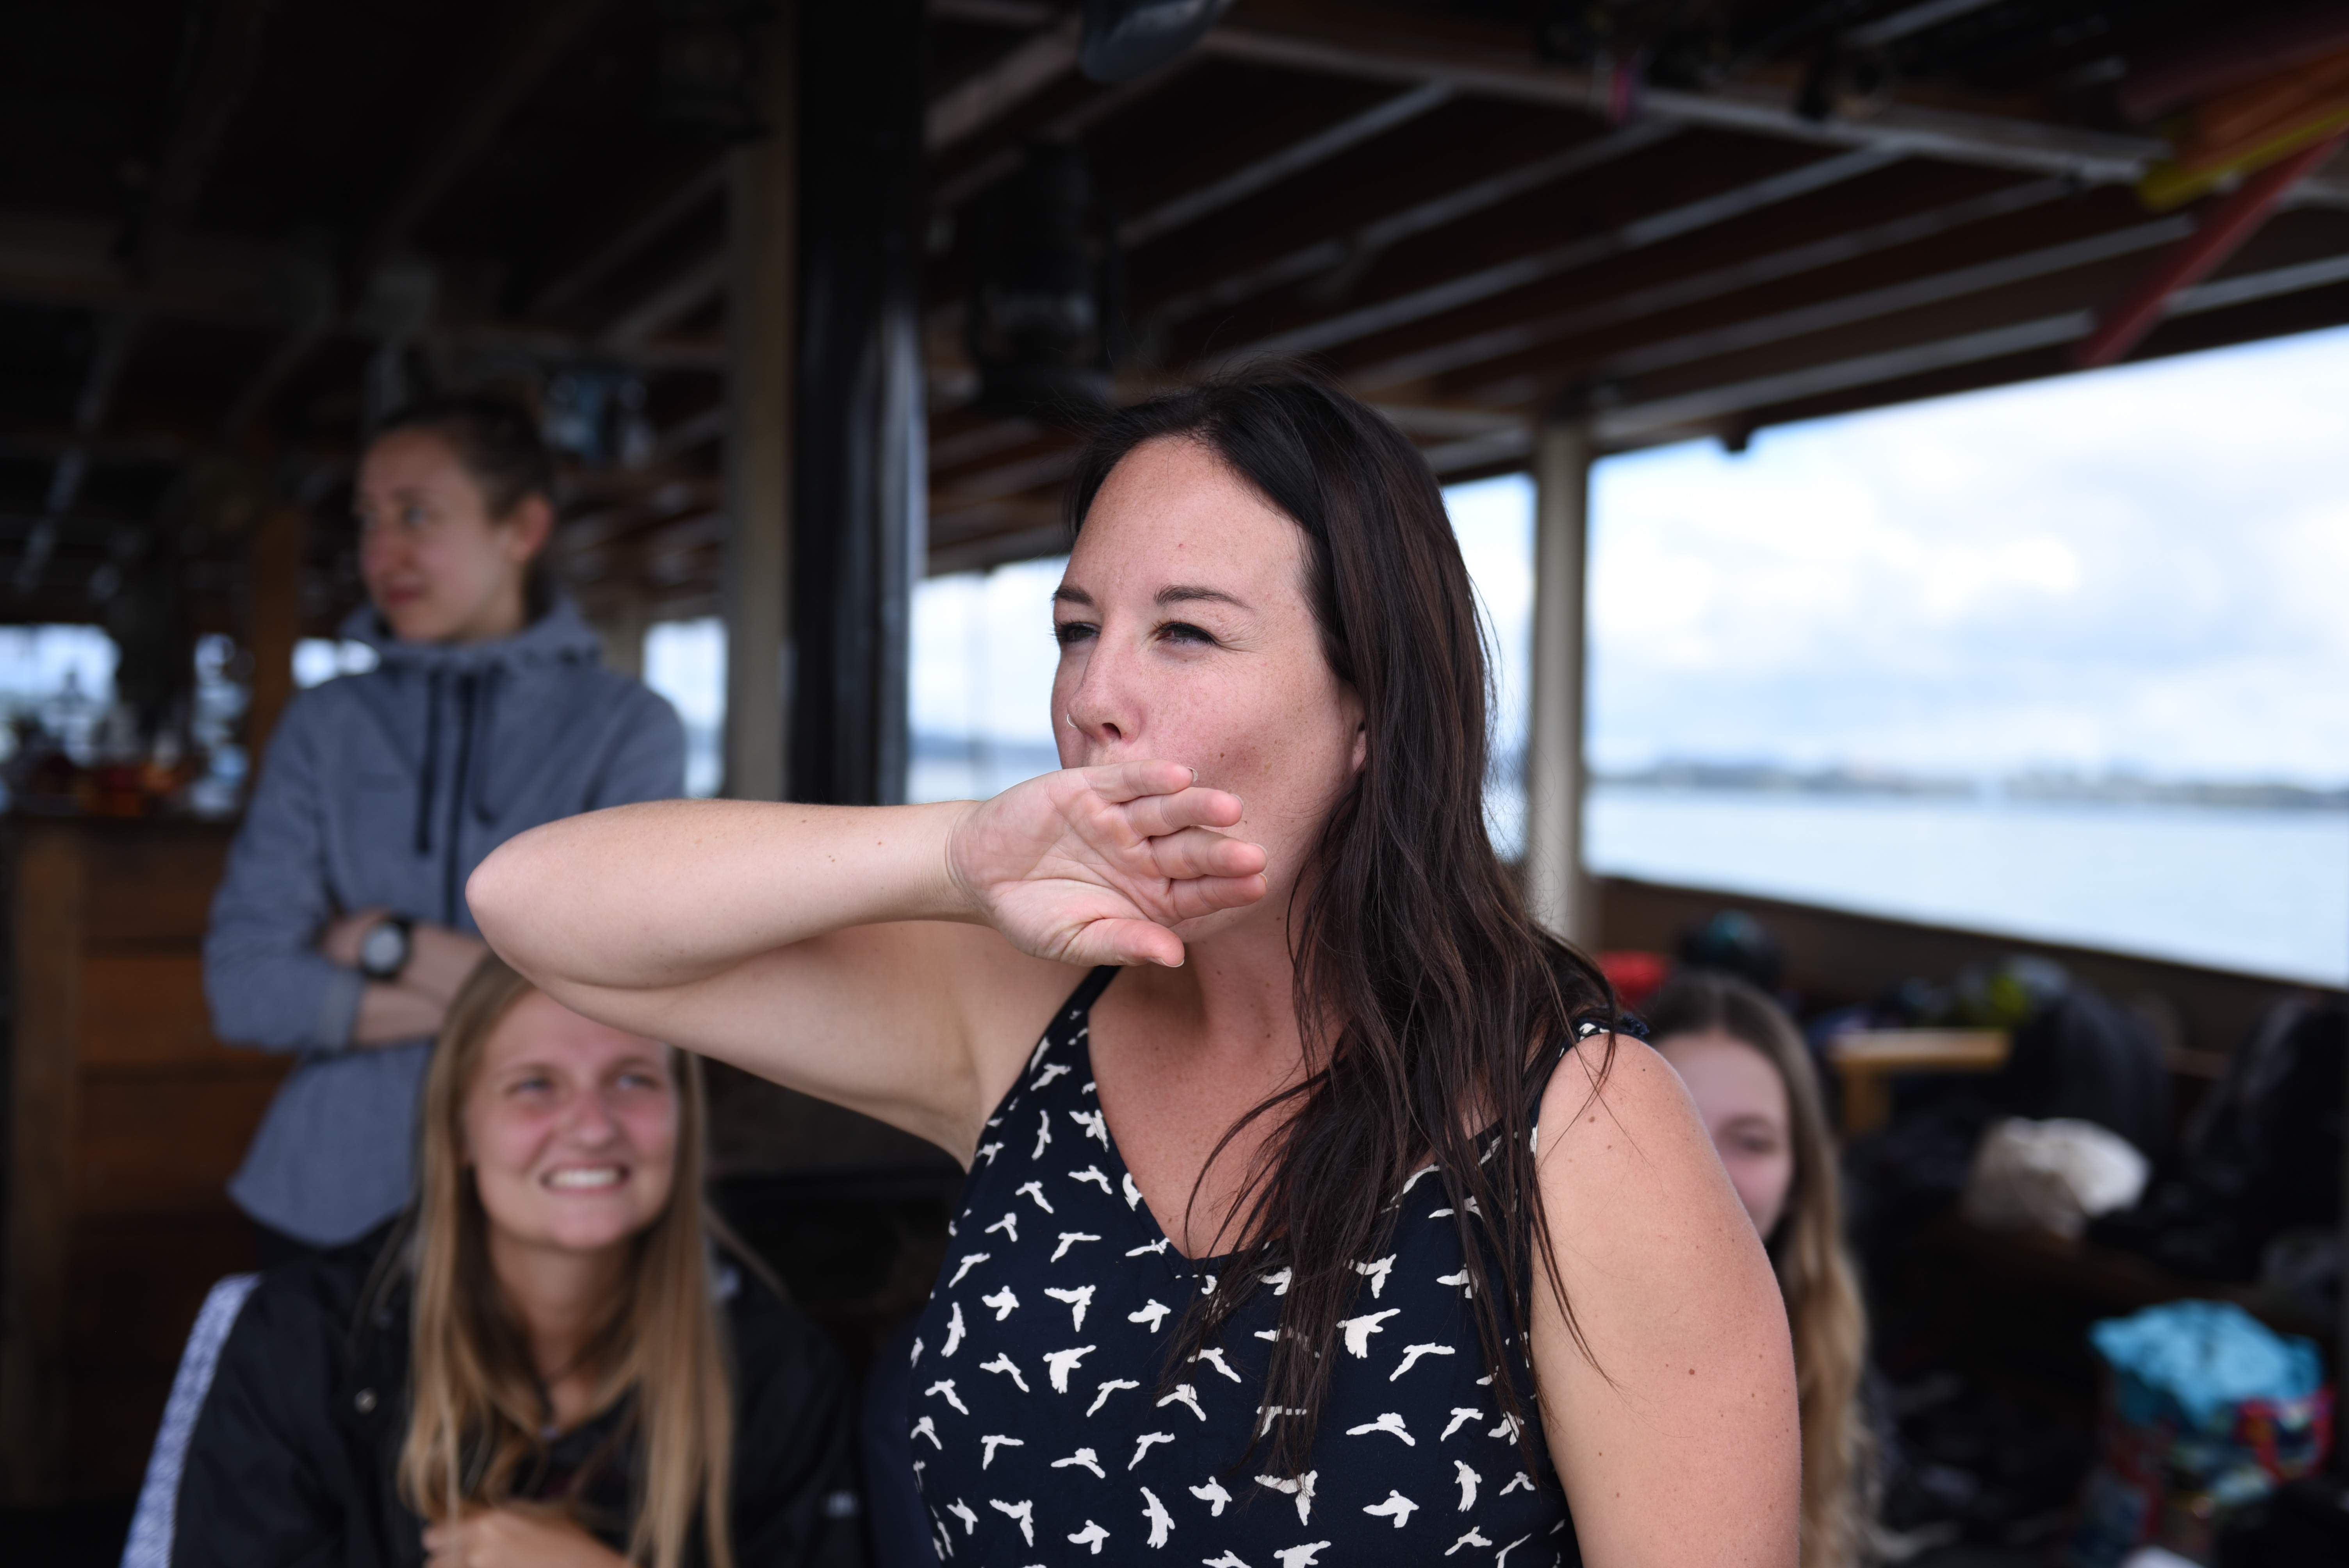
(2144, 568)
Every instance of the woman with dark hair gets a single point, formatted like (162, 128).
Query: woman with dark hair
(1751, 1076)
(340, 931)
(1260, 1254)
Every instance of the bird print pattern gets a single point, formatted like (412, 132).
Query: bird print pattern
(1045, 1430)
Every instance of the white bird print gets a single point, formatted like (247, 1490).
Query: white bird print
(1521, 1482)
(1161, 1521)
(1410, 1354)
(1304, 1556)
(1078, 1300)
(1507, 1429)
(1209, 1287)
(1473, 1538)
(1003, 1300)
(954, 1329)
(1037, 1054)
(1085, 1459)
(1301, 1489)
(1034, 1189)
(1377, 1274)
(1091, 1536)
(1214, 1495)
(1468, 1480)
(1051, 1070)
(1459, 1280)
(1185, 1396)
(1043, 1135)
(1149, 1440)
(969, 1261)
(1503, 1555)
(925, 1428)
(1132, 1198)
(1272, 1413)
(1279, 1282)
(946, 1386)
(1093, 1123)
(1060, 1363)
(916, 1361)
(1093, 1174)
(1461, 1416)
(1003, 1363)
(1391, 1422)
(1216, 1359)
(1023, 1513)
(992, 1444)
(1112, 1386)
(1070, 1239)
(1230, 1559)
(1147, 1247)
(969, 1516)
(990, 1150)
(1400, 1506)
(1445, 1213)
(1150, 1316)
(1414, 1177)
(1009, 1226)
(1360, 1329)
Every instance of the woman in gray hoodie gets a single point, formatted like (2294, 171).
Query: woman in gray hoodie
(340, 931)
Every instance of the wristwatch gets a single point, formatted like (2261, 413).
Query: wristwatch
(386, 948)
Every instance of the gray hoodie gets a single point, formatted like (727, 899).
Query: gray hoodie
(388, 788)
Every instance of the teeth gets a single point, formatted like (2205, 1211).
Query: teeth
(601, 1176)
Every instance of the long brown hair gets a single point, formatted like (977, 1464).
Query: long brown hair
(1431, 1001)
(475, 1405)
(1814, 1269)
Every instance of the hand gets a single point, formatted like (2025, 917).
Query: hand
(1092, 865)
(519, 1535)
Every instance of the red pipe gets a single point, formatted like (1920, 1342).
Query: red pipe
(2233, 221)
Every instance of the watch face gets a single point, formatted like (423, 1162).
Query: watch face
(383, 949)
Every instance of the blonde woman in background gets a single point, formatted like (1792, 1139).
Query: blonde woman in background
(559, 1359)
(1749, 1074)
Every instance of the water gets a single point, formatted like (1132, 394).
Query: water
(2266, 893)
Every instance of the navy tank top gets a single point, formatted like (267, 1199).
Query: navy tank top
(1045, 1430)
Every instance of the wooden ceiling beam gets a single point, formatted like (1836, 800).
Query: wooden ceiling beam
(1503, 277)
(646, 222)
(691, 289)
(962, 111)
(206, 99)
(1521, 337)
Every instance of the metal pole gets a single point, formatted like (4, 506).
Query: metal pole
(1558, 892)
(761, 319)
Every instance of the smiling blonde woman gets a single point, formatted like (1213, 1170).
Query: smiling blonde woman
(559, 1361)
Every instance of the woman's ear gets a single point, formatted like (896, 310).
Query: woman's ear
(1362, 745)
(528, 527)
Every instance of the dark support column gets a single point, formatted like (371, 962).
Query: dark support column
(860, 528)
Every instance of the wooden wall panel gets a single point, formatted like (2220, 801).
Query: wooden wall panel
(163, 1146)
(143, 1008)
(151, 882)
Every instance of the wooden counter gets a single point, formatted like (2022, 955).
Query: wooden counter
(125, 1120)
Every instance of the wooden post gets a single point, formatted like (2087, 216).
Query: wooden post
(44, 1121)
(761, 312)
(273, 620)
(1555, 886)
(621, 623)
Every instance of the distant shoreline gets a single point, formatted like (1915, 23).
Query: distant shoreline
(2034, 787)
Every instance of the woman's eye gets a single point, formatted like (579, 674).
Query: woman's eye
(1184, 632)
(1068, 634)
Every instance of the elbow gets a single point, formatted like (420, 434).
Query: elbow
(498, 893)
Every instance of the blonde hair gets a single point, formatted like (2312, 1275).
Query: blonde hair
(475, 1404)
(1815, 1270)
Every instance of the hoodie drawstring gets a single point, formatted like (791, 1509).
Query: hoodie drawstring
(431, 764)
(452, 860)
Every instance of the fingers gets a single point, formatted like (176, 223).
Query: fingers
(1205, 895)
(1154, 816)
(1199, 852)
(1123, 781)
(1127, 942)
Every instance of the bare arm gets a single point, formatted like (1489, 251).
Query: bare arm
(1683, 1444)
(410, 1007)
(895, 960)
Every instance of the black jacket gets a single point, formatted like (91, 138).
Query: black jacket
(294, 1457)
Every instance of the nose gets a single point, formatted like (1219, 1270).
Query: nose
(590, 1122)
(1101, 704)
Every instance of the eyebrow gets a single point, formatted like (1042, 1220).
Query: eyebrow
(1176, 594)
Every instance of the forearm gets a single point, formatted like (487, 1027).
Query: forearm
(663, 895)
(390, 1015)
